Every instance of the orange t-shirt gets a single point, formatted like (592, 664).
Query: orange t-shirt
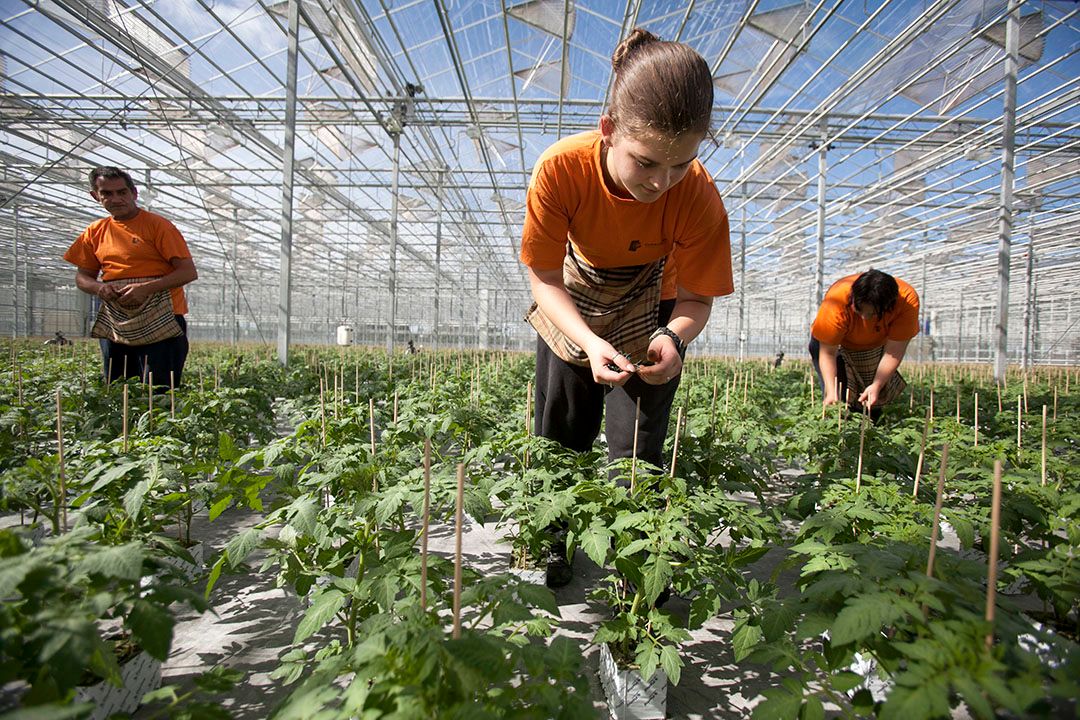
(837, 323)
(140, 247)
(568, 200)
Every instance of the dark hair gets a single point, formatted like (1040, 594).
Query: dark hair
(660, 86)
(876, 289)
(110, 172)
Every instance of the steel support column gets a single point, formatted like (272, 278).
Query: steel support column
(396, 137)
(742, 336)
(15, 275)
(289, 166)
(1005, 208)
(819, 271)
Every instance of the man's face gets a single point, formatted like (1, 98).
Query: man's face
(116, 197)
(646, 166)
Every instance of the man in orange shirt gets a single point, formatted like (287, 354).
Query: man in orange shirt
(125, 260)
(859, 338)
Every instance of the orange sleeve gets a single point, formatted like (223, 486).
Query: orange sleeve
(547, 224)
(703, 258)
(906, 324)
(831, 324)
(81, 253)
(170, 243)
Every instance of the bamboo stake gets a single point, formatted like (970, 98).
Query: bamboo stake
(712, 410)
(150, 400)
(60, 457)
(322, 409)
(937, 517)
(633, 460)
(675, 445)
(458, 521)
(1044, 446)
(395, 404)
(424, 531)
(957, 404)
(811, 378)
(124, 421)
(356, 381)
(1055, 403)
(1018, 423)
(108, 375)
(862, 442)
(991, 570)
(922, 454)
(1026, 392)
(172, 394)
(931, 403)
(976, 419)
(997, 386)
(18, 376)
(371, 423)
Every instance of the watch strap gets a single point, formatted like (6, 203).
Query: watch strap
(680, 346)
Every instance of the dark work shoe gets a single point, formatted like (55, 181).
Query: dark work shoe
(559, 571)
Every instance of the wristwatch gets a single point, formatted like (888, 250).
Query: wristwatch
(680, 346)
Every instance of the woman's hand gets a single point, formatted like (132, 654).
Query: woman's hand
(603, 357)
(666, 362)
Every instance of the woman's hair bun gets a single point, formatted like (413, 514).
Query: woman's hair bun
(633, 41)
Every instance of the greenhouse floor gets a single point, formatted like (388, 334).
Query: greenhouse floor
(251, 624)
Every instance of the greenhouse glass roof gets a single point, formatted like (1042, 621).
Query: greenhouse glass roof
(879, 126)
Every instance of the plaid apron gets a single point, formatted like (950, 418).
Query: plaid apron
(618, 304)
(151, 322)
(859, 365)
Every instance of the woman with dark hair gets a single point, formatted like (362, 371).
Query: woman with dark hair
(606, 212)
(859, 338)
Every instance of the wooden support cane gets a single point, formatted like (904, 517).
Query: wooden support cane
(633, 460)
(934, 528)
(371, 423)
(62, 493)
(1044, 446)
(976, 420)
(172, 394)
(124, 420)
(1018, 421)
(322, 409)
(675, 444)
(991, 570)
(922, 453)
(426, 521)
(862, 442)
(150, 400)
(458, 521)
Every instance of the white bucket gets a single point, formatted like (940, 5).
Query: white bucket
(344, 335)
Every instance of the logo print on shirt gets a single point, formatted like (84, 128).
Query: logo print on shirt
(634, 245)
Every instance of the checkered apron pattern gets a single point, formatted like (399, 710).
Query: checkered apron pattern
(618, 304)
(860, 367)
(151, 322)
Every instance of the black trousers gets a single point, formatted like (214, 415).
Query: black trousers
(815, 352)
(138, 361)
(570, 406)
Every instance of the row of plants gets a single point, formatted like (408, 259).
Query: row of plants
(341, 501)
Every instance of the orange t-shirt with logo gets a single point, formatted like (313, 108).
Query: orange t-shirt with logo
(837, 323)
(140, 247)
(569, 201)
